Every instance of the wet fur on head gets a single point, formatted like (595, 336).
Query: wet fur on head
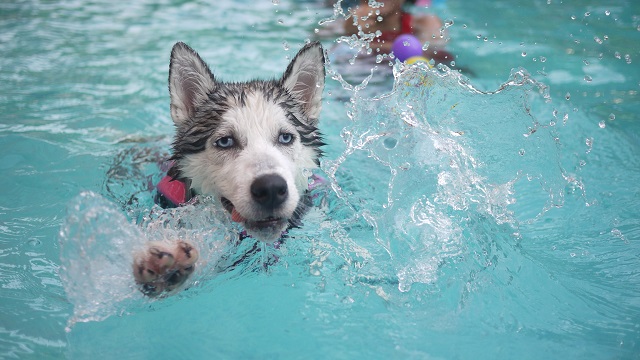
(230, 134)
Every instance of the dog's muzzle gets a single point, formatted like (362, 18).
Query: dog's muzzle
(269, 192)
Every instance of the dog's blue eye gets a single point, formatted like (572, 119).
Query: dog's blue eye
(285, 138)
(225, 142)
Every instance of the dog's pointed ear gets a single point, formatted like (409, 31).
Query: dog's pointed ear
(304, 79)
(190, 80)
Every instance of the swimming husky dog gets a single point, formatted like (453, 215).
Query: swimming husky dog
(250, 145)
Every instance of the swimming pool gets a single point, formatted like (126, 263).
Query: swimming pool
(462, 221)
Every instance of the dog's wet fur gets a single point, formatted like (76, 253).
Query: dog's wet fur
(250, 145)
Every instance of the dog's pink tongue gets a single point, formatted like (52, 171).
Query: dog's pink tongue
(235, 216)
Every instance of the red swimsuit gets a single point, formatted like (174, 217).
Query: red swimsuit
(405, 28)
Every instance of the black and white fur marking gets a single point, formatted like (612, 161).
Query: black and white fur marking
(248, 144)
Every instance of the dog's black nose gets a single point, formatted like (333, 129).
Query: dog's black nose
(270, 191)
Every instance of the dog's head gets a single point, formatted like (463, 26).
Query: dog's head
(249, 144)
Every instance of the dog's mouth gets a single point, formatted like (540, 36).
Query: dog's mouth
(270, 222)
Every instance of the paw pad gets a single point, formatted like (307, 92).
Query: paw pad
(164, 267)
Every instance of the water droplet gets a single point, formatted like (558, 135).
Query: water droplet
(34, 242)
(589, 142)
(521, 152)
(479, 36)
(379, 18)
(425, 47)
(602, 124)
(453, 63)
(285, 45)
(605, 37)
(280, 21)
(573, 17)
(612, 117)
(588, 13)
(390, 143)
(543, 59)
(588, 78)
(597, 39)
(627, 58)
(524, 53)
(616, 232)
(586, 62)
(448, 23)
(567, 96)
(607, 12)
(348, 300)
(316, 30)
(464, 26)
(617, 55)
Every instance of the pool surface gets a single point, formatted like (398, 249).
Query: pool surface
(488, 214)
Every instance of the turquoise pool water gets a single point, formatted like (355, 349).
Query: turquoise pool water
(494, 216)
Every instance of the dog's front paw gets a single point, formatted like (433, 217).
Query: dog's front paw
(163, 266)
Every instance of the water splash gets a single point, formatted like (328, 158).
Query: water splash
(449, 168)
(94, 243)
(97, 244)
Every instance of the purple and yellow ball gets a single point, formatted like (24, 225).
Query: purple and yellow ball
(406, 46)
